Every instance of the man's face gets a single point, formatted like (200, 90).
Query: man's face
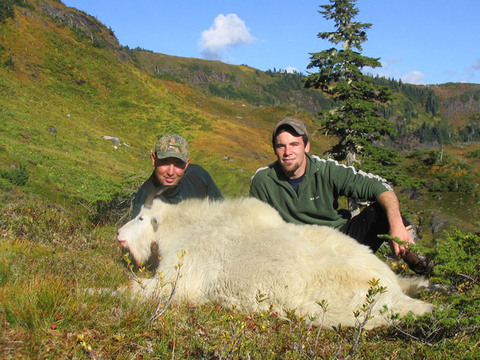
(291, 153)
(169, 171)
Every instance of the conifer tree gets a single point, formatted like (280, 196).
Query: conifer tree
(357, 119)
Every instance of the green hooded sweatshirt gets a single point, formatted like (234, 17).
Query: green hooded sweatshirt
(316, 201)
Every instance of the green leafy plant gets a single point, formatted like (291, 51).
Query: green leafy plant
(17, 176)
(457, 256)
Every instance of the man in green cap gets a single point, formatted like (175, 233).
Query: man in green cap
(172, 167)
(305, 190)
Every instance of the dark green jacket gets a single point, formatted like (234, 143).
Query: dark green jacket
(195, 183)
(317, 199)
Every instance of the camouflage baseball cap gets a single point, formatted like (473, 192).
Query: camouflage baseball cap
(172, 146)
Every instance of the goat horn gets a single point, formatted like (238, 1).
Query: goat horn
(156, 192)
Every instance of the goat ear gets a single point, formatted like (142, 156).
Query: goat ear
(155, 223)
(156, 192)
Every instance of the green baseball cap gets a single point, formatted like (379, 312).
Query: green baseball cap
(295, 124)
(172, 146)
(298, 126)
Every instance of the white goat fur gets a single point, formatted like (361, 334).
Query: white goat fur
(238, 249)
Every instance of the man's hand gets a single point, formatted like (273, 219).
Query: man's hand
(389, 201)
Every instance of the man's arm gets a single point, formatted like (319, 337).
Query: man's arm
(203, 182)
(389, 202)
(255, 190)
(212, 190)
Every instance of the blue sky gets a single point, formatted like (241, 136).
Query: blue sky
(417, 41)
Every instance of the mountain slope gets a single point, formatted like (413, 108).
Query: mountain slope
(234, 82)
(64, 88)
(458, 102)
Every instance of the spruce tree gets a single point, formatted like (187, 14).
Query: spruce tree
(356, 119)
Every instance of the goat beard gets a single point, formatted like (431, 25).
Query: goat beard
(154, 259)
(154, 248)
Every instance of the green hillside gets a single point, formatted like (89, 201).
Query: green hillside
(63, 89)
(233, 82)
(66, 84)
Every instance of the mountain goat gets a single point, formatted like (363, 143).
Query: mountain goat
(240, 253)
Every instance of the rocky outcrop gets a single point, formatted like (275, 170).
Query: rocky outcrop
(81, 23)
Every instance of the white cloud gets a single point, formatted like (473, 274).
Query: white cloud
(476, 64)
(414, 77)
(390, 62)
(226, 32)
(473, 70)
(386, 70)
(290, 70)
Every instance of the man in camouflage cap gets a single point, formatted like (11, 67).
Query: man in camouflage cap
(172, 167)
(172, 146)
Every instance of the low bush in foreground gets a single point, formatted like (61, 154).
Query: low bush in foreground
(58, 273)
